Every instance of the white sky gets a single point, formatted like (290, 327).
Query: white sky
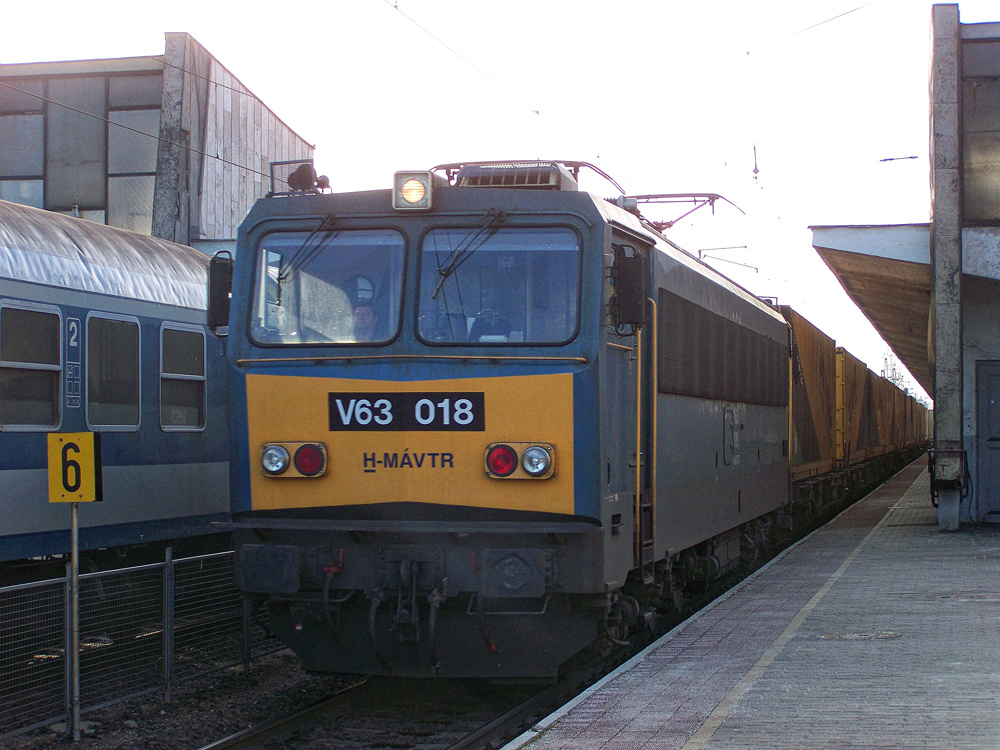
(665, 96)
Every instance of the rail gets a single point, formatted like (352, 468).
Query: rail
(281, 727)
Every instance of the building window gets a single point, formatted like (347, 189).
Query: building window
(97, 170)
(21, 95)
(981, 130)
(135, 91)
(22, 149)
(132, 146)
(130, 202)
(132, 141)
(112, 373)
(25, 192)
(30, 366)
(182, 379)
(76, 144)
(21, 145)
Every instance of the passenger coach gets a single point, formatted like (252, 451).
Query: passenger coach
(103, 330)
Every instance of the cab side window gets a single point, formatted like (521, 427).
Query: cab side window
(182, 379)
(30, 367)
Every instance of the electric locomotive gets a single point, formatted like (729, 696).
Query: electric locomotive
(103, 330)
(485, 420)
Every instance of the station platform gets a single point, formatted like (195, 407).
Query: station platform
(875, 631)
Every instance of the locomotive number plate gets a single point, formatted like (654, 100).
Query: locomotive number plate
(410, 412)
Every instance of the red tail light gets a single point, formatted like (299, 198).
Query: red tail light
(309, 460)
(501, 460)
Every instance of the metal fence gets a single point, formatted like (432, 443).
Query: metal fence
(142, 629)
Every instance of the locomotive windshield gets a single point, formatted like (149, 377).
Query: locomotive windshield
(328, 287)
(491, 286)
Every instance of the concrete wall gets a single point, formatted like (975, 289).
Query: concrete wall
(965, 253)
(209, 112)
(980, 129)
(981, 342)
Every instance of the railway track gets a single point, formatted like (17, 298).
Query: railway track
(393, 712)
(399, 713)
(281, 727)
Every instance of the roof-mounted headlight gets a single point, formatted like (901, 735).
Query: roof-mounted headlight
(413, 191)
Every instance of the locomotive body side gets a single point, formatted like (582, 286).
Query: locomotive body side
(722, 411)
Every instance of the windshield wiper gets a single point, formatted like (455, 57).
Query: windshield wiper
(306, 254)
(475, 239)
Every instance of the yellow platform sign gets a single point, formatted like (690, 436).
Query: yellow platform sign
(74, 467)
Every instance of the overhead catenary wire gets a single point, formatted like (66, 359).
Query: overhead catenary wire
(810, 27)
(832, 18)
(394, 4)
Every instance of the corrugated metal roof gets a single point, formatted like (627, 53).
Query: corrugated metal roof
(43, 247)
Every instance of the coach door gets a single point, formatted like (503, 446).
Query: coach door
(988, 440)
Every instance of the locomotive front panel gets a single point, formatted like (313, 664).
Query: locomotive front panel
(448, 442)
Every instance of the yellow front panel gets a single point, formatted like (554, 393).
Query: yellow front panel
(426, 466)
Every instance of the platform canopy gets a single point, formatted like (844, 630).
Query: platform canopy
(886, 272)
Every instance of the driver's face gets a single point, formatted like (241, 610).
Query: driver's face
(364, 322)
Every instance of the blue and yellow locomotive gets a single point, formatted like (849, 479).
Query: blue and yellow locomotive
(484, 420)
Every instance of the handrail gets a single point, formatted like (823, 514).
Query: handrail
(654, 359)
(638, 447)
(366, 357)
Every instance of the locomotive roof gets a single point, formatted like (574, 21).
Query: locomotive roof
(43, 247)
(688, 261)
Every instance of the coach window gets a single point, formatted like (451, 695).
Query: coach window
(30, 367)
(182, 379)
(112, 373)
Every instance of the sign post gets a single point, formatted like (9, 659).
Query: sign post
(74, 478)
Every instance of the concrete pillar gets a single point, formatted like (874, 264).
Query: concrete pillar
(171, 156)
(946, 257)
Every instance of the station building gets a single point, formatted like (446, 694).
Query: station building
(170, 145)
(933, 290)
